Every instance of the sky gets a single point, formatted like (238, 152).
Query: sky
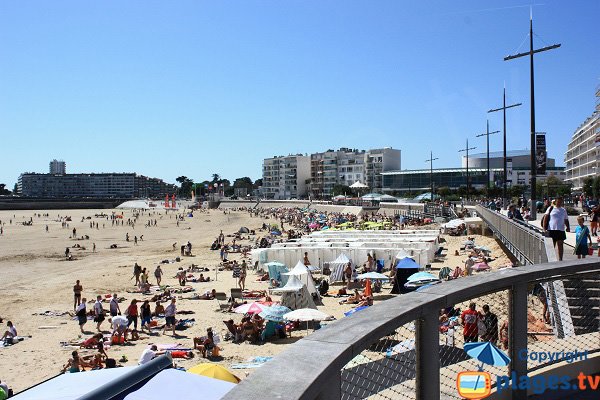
(171, 88)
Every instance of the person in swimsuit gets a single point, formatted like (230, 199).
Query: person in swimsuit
(77, 289)
(75, 364)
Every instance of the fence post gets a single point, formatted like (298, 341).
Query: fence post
(428, 357)
(517, 339)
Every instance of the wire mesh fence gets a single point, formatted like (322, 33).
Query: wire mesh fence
(385, 370)
(563, 320)
(477, 320)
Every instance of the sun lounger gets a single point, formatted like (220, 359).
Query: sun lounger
(221, 298)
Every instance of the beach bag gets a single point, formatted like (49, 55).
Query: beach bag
(546, 219)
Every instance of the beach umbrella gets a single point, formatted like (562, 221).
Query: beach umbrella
(250, 308)
(483, 248)
(487, 353)
(368, 291)
(274, 313)
(481, 267)
(305, 314)
(373, 276)
(421, 276)
(469, 243)
(445, 272)
(424, 287)
(214, 371)
(354, 310)
(274, 264)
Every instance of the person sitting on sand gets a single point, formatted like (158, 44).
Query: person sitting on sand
(10, 333)
(354, 299)
(159, 309)
(205, 344)
(75, 364)
(366, 301)
(250, 331)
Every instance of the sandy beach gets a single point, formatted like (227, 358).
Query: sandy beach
(36, 278)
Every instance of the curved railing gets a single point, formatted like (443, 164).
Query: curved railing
(350, 358)
(526, 242)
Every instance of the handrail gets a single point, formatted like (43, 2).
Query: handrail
(524, 241)
(312, 365)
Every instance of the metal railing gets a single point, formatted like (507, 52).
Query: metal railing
(524, 241)
(400, 348)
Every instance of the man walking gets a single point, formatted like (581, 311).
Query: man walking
(556, 222)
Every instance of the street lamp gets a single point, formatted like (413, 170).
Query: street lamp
(505, 177)
(431, 160)
(487, 135)
(467, 150)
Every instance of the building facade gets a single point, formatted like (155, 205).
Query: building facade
(582, 158)
(58, 167)
(286, 177)
(346, 166)
(517, 168)
(101, 185)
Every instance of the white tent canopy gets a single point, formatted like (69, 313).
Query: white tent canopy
(402, 254)
(303, 274)
(293, 285)
(358, 185)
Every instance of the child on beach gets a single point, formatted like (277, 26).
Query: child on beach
(582, 236)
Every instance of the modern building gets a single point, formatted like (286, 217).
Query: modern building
(377, 162)
(101, 185)
(582, 158)
(518, 173)
(286, 177)
(335, 167)
(346, 166)
(58, 167)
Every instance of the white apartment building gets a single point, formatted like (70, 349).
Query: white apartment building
(286, 177)
(582, 158)
(346, 166)
(58, 167)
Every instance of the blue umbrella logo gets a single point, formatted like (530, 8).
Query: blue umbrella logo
(487, 353)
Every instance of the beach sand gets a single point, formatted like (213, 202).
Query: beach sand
(36, 278)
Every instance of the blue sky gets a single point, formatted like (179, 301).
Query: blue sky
(170, 88)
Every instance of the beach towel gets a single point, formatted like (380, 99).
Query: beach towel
(254, 362)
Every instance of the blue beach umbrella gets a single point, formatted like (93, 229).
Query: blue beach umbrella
(274, 313)
(422, 276)
(373, 276)
(487, 353)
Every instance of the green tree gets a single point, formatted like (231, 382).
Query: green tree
(16, 189)
(258, 183)
(244, 182)
(185, 188)
(341, 190)
(444, 191)
(588, 184)
(216, 178)
(3, 190)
